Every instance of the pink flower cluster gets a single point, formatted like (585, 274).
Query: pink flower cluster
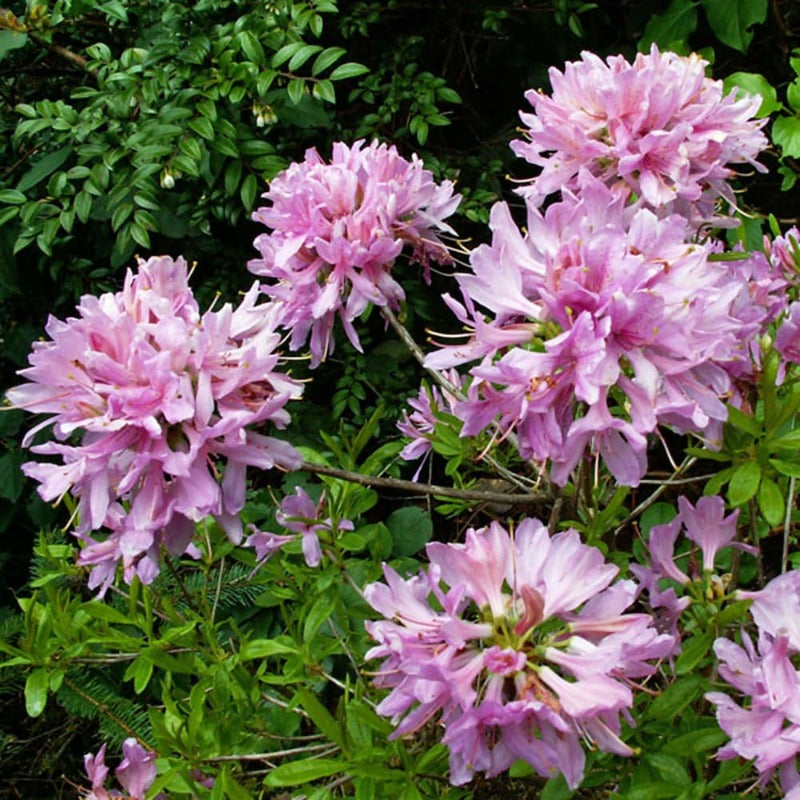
(522, 645)
(766, 728)
(657, 129)
(161, 397)
(606, 322)
(135, 773)
(337, 229)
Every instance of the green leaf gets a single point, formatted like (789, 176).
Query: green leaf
(321, 717)
(302, 55)
(11, 40)
(744, 482)
(263, 648)
(411, 529)
(731, 20)
(793, 95)
(202, 126)
(696, 741)
(296, 89)
(43, 168)
(36, 686)
(693, 652)
(251, 47)
(233, 175)
(676, 24)
(770, 501)
(12, 197)
(668, 767)
(304, 771)
(790, 468)
(657, 514)
(786, 134)
(248, 191)
(327, 58)
(742, 421)
(285, 53)
(11, 475)
(755, 84)
(325, 90)
(349, 70)
(676, 697)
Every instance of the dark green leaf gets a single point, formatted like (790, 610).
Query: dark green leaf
(43, 168)
(675, 25)
(304, 771)
(36, 686)
(349, 70)
(744, 482)
(694, 650)
(786, 134)
(770, 501)
(248, 191)
(12, 197)
(327, 58)
(411, 529)
(202, 126)
(731, 20)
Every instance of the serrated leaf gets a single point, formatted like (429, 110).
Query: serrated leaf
(731, 20)
(349, 70)
(744, 482)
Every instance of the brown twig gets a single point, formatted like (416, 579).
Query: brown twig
(397, 484)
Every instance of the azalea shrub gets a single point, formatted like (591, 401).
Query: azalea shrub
(588, 585)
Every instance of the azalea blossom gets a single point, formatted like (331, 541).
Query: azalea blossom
(153, 407)
(597, 301)
(336, 231)
(656, 129)
(766, 726)
(419, 424)
(300, 514)
(520, 644)
(135, 773)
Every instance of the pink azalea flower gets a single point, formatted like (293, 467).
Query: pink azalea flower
(607, 300)
(299, 513)
(521, 644)
(135, 773)
(656, 128)
(419, 425)
(161, 398)
(337, 230)
(766, 727)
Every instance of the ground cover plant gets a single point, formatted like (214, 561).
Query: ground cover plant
(552, 553)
